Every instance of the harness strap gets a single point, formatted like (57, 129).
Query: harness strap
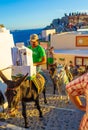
(10, 88)
(6, 68)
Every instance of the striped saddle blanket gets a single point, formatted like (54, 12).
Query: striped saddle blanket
(39, 82)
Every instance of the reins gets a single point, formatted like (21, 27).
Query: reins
(6, 68)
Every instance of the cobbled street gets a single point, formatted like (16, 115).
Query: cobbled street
(57, 115)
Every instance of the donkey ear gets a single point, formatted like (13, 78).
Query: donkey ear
(4, 78)
(19, 81)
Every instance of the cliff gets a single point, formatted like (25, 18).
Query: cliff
(70, 22)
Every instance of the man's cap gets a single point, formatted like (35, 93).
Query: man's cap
(34, 37)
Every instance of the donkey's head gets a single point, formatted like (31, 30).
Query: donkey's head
(52, 70)
(13, 90)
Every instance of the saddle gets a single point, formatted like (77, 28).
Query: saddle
(39, 82)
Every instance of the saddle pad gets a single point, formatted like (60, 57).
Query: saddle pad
(39, 82)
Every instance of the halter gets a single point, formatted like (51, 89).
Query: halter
(11, 88)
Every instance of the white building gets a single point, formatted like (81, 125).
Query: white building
(46, 34)
(71, 46)
(69, 40)
(6, 42)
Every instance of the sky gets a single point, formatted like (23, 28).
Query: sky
(32, 14)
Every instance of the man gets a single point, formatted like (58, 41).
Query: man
(39, 55)
(50, 56)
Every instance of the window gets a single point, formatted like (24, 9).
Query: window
(81, 41)
(81, 61)
(78, 61)
(85, 61)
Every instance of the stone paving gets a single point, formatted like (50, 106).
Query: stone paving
(56, 115)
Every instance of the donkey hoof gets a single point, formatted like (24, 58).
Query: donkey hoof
(26, 126)
(45, 102)
(66, 102)
(41, 118)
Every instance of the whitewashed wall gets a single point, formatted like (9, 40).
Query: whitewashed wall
(46, 33)
(6, 42)
(66, 40)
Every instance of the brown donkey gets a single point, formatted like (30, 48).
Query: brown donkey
(24, 90)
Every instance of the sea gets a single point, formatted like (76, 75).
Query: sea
(24, 35)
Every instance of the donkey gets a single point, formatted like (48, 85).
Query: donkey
(2, 100)
(53, 75)
(59, 79)
(24, 90)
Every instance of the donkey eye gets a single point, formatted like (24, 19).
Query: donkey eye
(14, 93)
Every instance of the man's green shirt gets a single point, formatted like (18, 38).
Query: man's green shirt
(37, 53)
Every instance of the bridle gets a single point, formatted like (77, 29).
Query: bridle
(10, 88)
(13, 94)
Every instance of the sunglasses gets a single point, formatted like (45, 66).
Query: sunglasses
(33, 41)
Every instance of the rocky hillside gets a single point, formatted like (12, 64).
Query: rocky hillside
(69, 22)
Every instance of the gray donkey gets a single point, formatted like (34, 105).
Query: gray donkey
(60, 79)
(24, 90)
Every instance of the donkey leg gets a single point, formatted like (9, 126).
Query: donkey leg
(60, 93)
(24, 114)
(44, 93)
(67, 97)
(3, 108)
(54, 85)
(38, 107)
(54, 88)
